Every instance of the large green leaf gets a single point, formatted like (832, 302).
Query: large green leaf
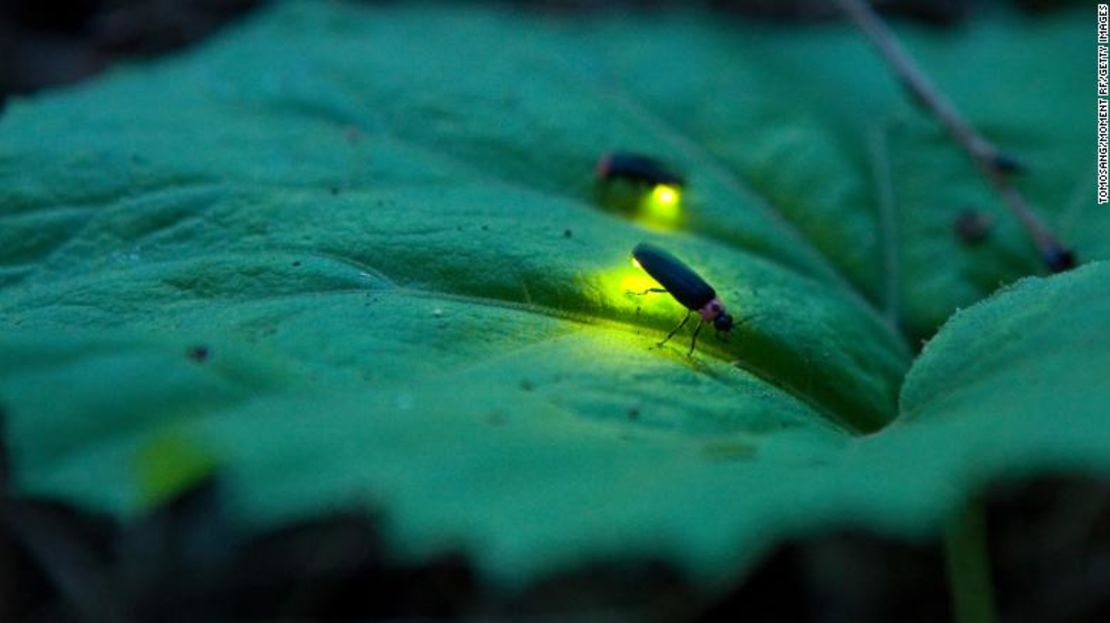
(355, 256)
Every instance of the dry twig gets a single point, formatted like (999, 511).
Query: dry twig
(996, 165)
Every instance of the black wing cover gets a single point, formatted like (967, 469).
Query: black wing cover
(680, 281)
(638, 169)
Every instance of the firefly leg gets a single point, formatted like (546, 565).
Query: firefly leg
(648, 291)
(694, 342)
(675, 330)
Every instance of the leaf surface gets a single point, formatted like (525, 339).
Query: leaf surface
(354, 255)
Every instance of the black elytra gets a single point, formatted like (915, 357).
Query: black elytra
(637, 168)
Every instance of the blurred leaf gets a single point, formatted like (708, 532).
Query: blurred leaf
(354, 254)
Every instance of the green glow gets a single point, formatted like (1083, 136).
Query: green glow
(169, 464)
(664, 195)
(616, 286)
(663, 206)
(636, 282)
(621, 286)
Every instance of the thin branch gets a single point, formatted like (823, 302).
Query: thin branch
(996, 165)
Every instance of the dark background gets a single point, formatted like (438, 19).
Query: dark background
(48, 42)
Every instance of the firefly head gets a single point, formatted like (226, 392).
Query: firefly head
(714, 312)
(723, 323)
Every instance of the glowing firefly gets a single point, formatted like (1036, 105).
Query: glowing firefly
(665, 195)
(686, 286)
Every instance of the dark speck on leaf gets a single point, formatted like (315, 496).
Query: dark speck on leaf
(972, 227)
(485, 227)
(297, 263)
(198, 353)
(334, 190)
(527, 385)
(634, 412)
(568, 233)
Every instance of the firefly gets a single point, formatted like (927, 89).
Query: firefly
(665, 193)
(686, 286)
(639, 169)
